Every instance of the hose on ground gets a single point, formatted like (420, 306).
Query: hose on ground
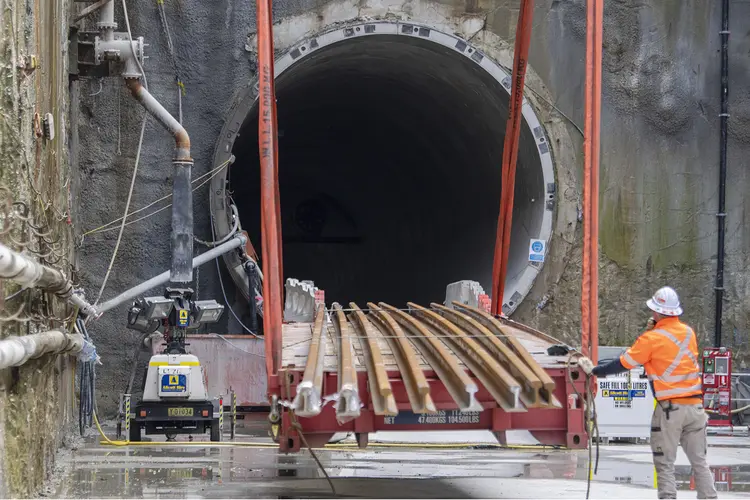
(298, 427)
(591, 420)
(733, 412)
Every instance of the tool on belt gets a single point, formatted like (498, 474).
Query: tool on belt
(668, 408)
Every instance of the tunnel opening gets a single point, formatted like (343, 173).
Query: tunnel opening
(390, 151)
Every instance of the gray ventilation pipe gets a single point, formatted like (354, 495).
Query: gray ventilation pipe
(31, 274)
(236, 242)
(15, 351)
(130, 53)
(182, 194)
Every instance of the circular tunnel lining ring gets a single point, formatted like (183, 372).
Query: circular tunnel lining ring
(243, 107)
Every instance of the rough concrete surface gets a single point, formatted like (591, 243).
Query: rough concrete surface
(660, 142)
(36, 399)
(660, 152)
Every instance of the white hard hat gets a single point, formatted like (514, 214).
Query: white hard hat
(666, 302)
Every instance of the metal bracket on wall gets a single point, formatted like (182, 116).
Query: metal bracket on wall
(82, 56)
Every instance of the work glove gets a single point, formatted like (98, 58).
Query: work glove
(586, 365)
(650, 324)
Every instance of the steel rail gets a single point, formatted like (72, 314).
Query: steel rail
(348, 403)
(502, 385)
(381, 392)
(417, 387)
(530, 382)
(308, 401)
(497, 328)
(459, 385)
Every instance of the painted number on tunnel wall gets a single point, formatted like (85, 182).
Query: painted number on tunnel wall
(537, 250)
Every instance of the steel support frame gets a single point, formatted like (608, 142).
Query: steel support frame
(269, 192)
(591, 153)
(555, 427)
(510, 154)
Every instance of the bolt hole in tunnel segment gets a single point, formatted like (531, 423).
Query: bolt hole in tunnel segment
(390, 150)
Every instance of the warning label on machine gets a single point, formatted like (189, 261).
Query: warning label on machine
(623, 393)
(619, 395)
(173, 383)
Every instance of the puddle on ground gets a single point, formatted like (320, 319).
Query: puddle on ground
(223, 472)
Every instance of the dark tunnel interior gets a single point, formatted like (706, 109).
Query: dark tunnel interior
(390, 152)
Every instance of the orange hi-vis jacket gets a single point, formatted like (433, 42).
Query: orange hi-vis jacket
(669, 353)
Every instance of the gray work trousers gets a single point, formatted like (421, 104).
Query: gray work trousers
(686, 427)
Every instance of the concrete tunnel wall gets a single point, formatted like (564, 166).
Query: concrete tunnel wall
(659, 149)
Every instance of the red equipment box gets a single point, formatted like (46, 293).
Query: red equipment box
(717, 385)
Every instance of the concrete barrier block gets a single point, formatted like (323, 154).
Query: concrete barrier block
(299, 306)
(466, 292)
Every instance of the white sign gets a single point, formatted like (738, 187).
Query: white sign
(537, 250)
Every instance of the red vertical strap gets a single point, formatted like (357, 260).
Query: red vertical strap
(510, 154)
(591, 147)
(269, 191)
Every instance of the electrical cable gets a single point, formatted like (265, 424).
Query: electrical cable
(15, 294)
(127, 207)
(87, 385)
(251, 268)
(294, 424)
(591, 422)
(170, 46)
(104, 227)
(137, 160)
(130, 38)
(224, 292)
(340, 447)
(298, 427)
(236, 346)
(235, 227)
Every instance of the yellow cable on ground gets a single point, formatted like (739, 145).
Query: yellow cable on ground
(197, 444)
(328, 447)
(106, 439)
(176, 443)
(448, 446)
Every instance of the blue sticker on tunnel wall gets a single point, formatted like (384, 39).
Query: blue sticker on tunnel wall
(537, 250)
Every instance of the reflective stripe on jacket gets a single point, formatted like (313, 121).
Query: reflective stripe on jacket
(669, 353)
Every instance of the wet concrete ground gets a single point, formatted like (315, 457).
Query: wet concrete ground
(187, 471)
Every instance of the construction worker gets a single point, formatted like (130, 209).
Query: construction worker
(669, 353)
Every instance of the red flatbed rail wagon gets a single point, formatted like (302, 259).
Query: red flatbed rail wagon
(423, 369)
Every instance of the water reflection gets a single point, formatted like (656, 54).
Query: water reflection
(178, 472)
(734, 478)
